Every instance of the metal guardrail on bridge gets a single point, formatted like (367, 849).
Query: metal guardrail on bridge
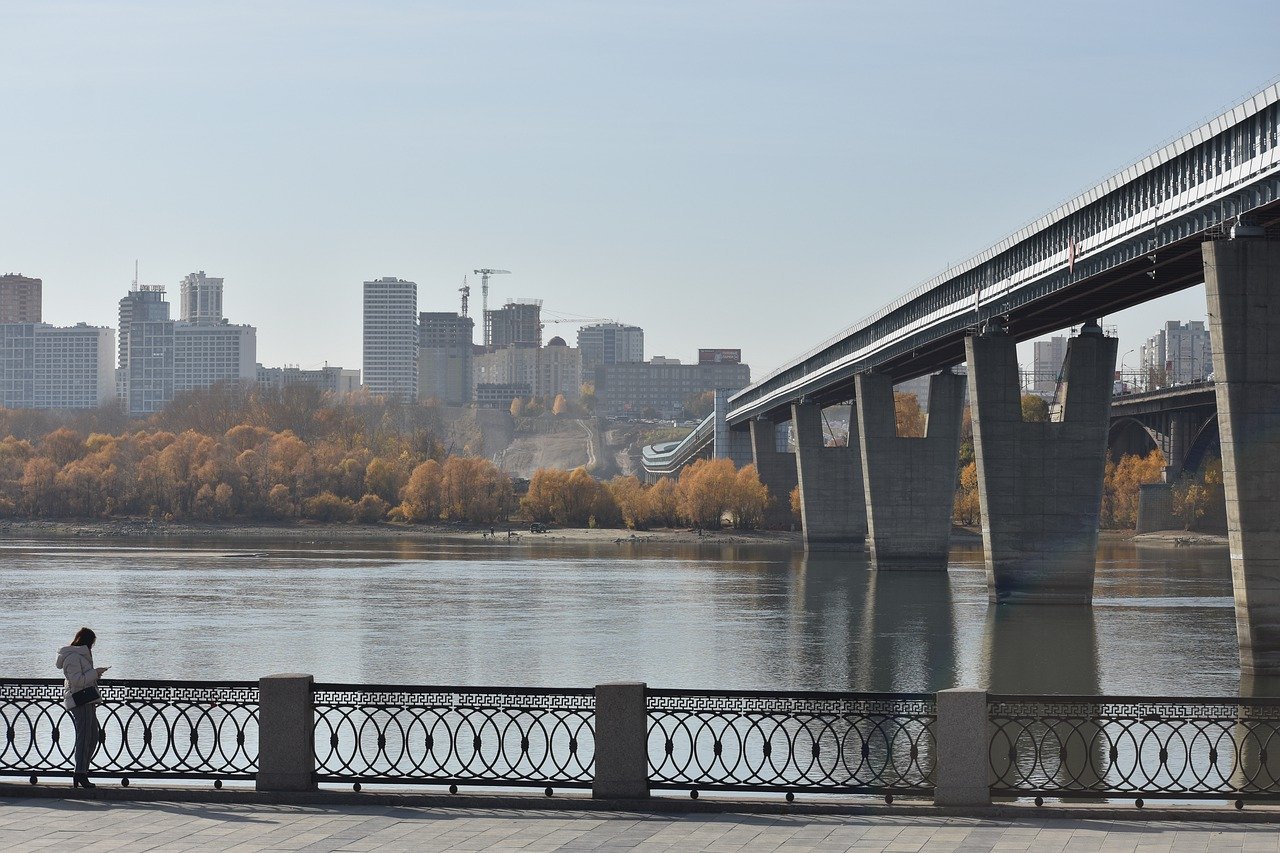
(1091, 256)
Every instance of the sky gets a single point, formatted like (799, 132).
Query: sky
(756, 174)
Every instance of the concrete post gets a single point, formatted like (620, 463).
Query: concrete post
(1155, 508)
(777, 470)
(832, 505)
(1040, 484)
(622, 742)
(909, 483)
(286, 734)
(1242, 279)
(962, 741)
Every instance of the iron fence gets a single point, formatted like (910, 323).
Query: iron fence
(455, 735)
(1152, 747)
(148, 730)
(869, 743)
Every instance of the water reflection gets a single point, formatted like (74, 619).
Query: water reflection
(709, 615)
(1041, 649)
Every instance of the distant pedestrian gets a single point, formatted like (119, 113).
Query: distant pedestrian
(80, 696)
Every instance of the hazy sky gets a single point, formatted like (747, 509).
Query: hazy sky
(751, 173)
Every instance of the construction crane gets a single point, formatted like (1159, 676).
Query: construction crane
(465, 290)
(484, 299)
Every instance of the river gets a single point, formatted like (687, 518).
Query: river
(740, 617)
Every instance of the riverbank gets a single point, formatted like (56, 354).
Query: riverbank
(316, 531)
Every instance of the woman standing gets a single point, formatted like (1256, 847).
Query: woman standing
(76, 663)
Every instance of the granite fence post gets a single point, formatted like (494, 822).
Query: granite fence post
(622, 737)
(962, 744)
(286, 733)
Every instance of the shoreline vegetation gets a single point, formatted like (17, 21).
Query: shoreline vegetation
(224, 462)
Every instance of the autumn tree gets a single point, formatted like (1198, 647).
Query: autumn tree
(1122, 484)
(474, 490)
(1035, 409)
(421, 495)
(908, 415)
(706, 491)
(967, 508)
(750, 499)
(632, 500)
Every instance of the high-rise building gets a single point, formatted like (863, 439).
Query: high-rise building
(149, 361)
(444, 357)
(207, 353)
(1178, 354)
(201, 298)
(516, 324)
(144, 304)
(1047, 358)
(391, 337)
(53, 367)
(609, 343)
(19, 298)
(160, 357)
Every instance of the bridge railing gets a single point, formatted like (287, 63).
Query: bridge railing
(966, 751)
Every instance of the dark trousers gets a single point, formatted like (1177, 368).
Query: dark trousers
(86, 721)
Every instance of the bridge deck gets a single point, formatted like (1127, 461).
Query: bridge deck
(1130, 239)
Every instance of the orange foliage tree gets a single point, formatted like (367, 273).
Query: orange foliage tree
(1122, 484)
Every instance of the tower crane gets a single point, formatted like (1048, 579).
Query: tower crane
(484, 300)
(465, 290)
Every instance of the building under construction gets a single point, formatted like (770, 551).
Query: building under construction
(516, 324)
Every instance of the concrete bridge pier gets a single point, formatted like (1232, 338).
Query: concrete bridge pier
(727, 442)
(830, 480)
(909, 482)
(1040, 484)
(777, 470)
(1242, 278)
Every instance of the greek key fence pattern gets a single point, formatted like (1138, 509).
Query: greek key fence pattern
(1064, 746)
(455, 735)
(147, 730)
(824, 742)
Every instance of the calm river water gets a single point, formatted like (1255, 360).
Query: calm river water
(674, 616)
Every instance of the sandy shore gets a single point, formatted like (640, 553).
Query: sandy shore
(313, 531)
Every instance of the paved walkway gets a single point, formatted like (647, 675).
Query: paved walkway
(88, 826)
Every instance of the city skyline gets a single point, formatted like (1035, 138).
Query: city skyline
(702, 154)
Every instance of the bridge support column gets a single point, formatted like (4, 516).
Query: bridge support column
(1040, 484)
(777, 470)
(729, 443)
(1242, 279)
(830, 479)
(910, 483)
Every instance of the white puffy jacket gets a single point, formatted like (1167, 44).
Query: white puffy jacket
(76, 663)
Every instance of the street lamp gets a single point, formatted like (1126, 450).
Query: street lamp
(1122, 358)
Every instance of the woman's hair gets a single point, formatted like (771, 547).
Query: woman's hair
(84, 637)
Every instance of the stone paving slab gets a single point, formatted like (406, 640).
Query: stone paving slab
(97, 825)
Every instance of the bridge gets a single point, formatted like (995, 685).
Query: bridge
(1203, 208)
